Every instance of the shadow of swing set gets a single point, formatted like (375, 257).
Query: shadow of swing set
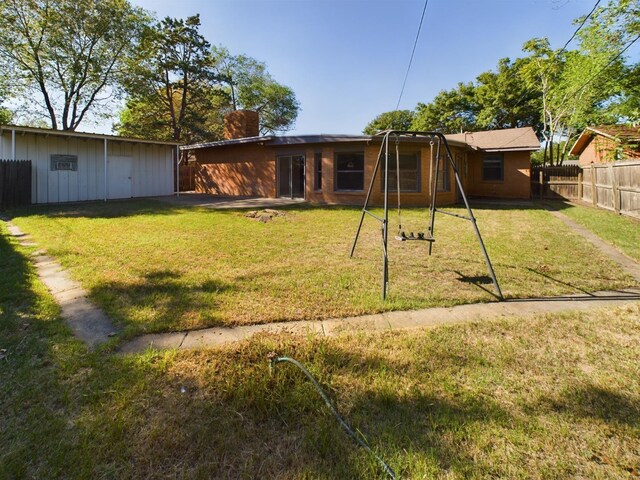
(440, 142)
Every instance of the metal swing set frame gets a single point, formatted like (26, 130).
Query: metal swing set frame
(433, 137)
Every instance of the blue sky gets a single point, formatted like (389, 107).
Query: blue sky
(346, 59)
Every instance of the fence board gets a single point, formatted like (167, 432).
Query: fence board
(612, 186)
(15, 183)
(187, 177)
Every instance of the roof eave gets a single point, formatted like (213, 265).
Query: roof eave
(95, 136)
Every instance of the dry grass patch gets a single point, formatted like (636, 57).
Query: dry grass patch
(554, 396)
(154, 267)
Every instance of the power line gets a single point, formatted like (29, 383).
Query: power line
(555, 55)
(603, 68)
(415, 44)
(579, 27)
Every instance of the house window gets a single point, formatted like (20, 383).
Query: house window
(443, 183)
(409, 173)
(349, 171)
(493, 167)
(64, 162)
(318, 169)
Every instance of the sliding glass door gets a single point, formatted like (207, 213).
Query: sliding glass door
(290, 176)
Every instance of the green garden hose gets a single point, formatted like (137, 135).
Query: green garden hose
(274, 360)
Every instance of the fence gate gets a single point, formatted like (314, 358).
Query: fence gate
(15, 183)
(559, 182)
(187, 176)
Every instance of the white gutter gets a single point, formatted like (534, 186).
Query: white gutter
(13, 144)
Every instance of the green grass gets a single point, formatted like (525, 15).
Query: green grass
(554, 396)
(621, 231)
(153, 267)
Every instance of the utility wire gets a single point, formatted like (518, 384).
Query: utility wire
(578, 90)
(584, 21)
(579, 27)
(415, 44)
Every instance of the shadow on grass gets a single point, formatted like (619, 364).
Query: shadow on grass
(164, 296)
(592, 401)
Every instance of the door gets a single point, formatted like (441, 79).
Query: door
(291, 176)
(119, 177)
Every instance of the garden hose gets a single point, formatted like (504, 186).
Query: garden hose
(274, 360)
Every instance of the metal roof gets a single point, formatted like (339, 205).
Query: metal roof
(68, 133)
(273, 140)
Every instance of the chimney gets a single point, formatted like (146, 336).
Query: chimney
(241, 124)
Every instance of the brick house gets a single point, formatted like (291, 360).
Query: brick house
(607, 143)
(337, 169)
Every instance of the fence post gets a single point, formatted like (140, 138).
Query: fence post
(541, 180)
(615, 190)
(580, 184)
(594, 190)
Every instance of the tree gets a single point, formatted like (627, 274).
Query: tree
(396, 120)
(169, 83)
(451, 111)
(247, 85)
(66, 55)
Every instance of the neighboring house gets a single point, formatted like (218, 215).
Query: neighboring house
(73, 166)
(337, 169)
(607, 143)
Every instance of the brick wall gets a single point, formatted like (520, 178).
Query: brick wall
(250, 170)
(241, 124)
(517, 177)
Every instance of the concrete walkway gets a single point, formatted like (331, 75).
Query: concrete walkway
(88, 322)
(627, 264)
(391, 321)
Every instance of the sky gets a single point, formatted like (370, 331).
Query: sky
(346, 59)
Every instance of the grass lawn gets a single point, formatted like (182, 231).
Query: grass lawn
(155, 267)
(550, 397)
(621, 231)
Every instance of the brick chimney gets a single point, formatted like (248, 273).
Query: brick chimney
(241, 124)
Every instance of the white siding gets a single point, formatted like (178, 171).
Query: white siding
(152, 167)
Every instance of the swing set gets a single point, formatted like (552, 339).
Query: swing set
(440, 142)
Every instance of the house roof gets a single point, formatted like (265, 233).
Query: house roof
(511, 139)
(508, 139)
(620, 133)
(68, 134)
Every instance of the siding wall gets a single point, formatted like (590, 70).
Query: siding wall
(151, 166)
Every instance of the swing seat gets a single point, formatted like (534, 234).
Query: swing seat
(420, 236)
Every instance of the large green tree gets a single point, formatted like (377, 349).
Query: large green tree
(451, 111)
(169, 82)
(246, 84)
(64, 57)
(395, 119)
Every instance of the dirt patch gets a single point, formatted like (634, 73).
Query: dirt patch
(265, 215)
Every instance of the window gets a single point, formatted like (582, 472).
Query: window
(349, 171)
(409, 173)
(443, 183)
(493, 167)
(64, 162)
(318, 170)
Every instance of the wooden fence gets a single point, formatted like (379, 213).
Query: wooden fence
(15, 183)
(613, 186)
(187, 176)
(556, 182)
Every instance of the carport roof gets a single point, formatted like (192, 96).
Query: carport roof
(98, 136)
